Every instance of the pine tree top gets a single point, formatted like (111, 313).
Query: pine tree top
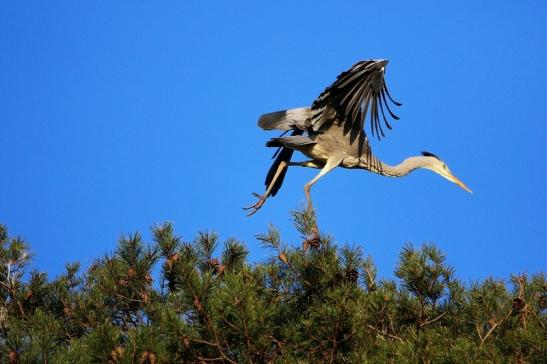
(201, 301)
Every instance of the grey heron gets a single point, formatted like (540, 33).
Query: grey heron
(331, 132)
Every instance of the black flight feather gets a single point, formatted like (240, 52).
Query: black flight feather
(283, 155)
(357, 94)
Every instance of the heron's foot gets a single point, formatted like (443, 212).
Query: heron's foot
(257, 205)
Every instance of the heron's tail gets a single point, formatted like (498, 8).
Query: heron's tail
(286, 119)
(284, 154)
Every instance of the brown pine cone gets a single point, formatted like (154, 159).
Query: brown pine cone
(314, 242)
(197, 304)
(186, 342)
(215, 265)
(148, 358)
(518, 305)
(117, 353)
(122, 282)
(148, 278)
(12, 357)
(172, 260)
(352, 275)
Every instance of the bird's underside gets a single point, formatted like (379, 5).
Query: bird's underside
(325, 149)
(330, 132)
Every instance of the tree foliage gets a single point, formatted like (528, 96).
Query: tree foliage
(311, 302)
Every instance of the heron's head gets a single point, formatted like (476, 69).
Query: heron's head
(435, 164)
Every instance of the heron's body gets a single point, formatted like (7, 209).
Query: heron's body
(331, 132)
(330, 142)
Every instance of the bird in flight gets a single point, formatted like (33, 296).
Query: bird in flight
(331, 132)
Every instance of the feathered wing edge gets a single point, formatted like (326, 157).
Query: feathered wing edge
(293, 119)
(355, 92)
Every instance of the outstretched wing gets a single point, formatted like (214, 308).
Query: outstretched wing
(359, 91)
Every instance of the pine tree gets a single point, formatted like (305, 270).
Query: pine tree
(201, 301)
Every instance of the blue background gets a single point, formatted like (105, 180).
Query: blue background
(115, 116)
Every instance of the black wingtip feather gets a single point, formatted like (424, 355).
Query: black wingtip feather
(355, 96)
(387, 106)
(383, 114)
(389, 95)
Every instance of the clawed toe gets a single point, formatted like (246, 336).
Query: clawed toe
(257, 205)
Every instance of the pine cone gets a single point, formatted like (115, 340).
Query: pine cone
(148, 358)
(186, 342)
(352, 275)
(144, 357)
(518, 305)
(12, 357)
(131, 273)
(117, 353)
(67, 310)
(197, 304)
(148, 278)
(314, 242)
(122, 282)
(172, 260)
(215, 265)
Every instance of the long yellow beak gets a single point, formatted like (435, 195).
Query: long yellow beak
(457, 181)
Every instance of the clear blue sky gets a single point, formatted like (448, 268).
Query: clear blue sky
(118, 115)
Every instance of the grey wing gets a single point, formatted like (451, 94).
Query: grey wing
(352, 95)
(292, 141)
(291, 119)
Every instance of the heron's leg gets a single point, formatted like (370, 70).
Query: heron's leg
(262, 199)
(329, 166)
